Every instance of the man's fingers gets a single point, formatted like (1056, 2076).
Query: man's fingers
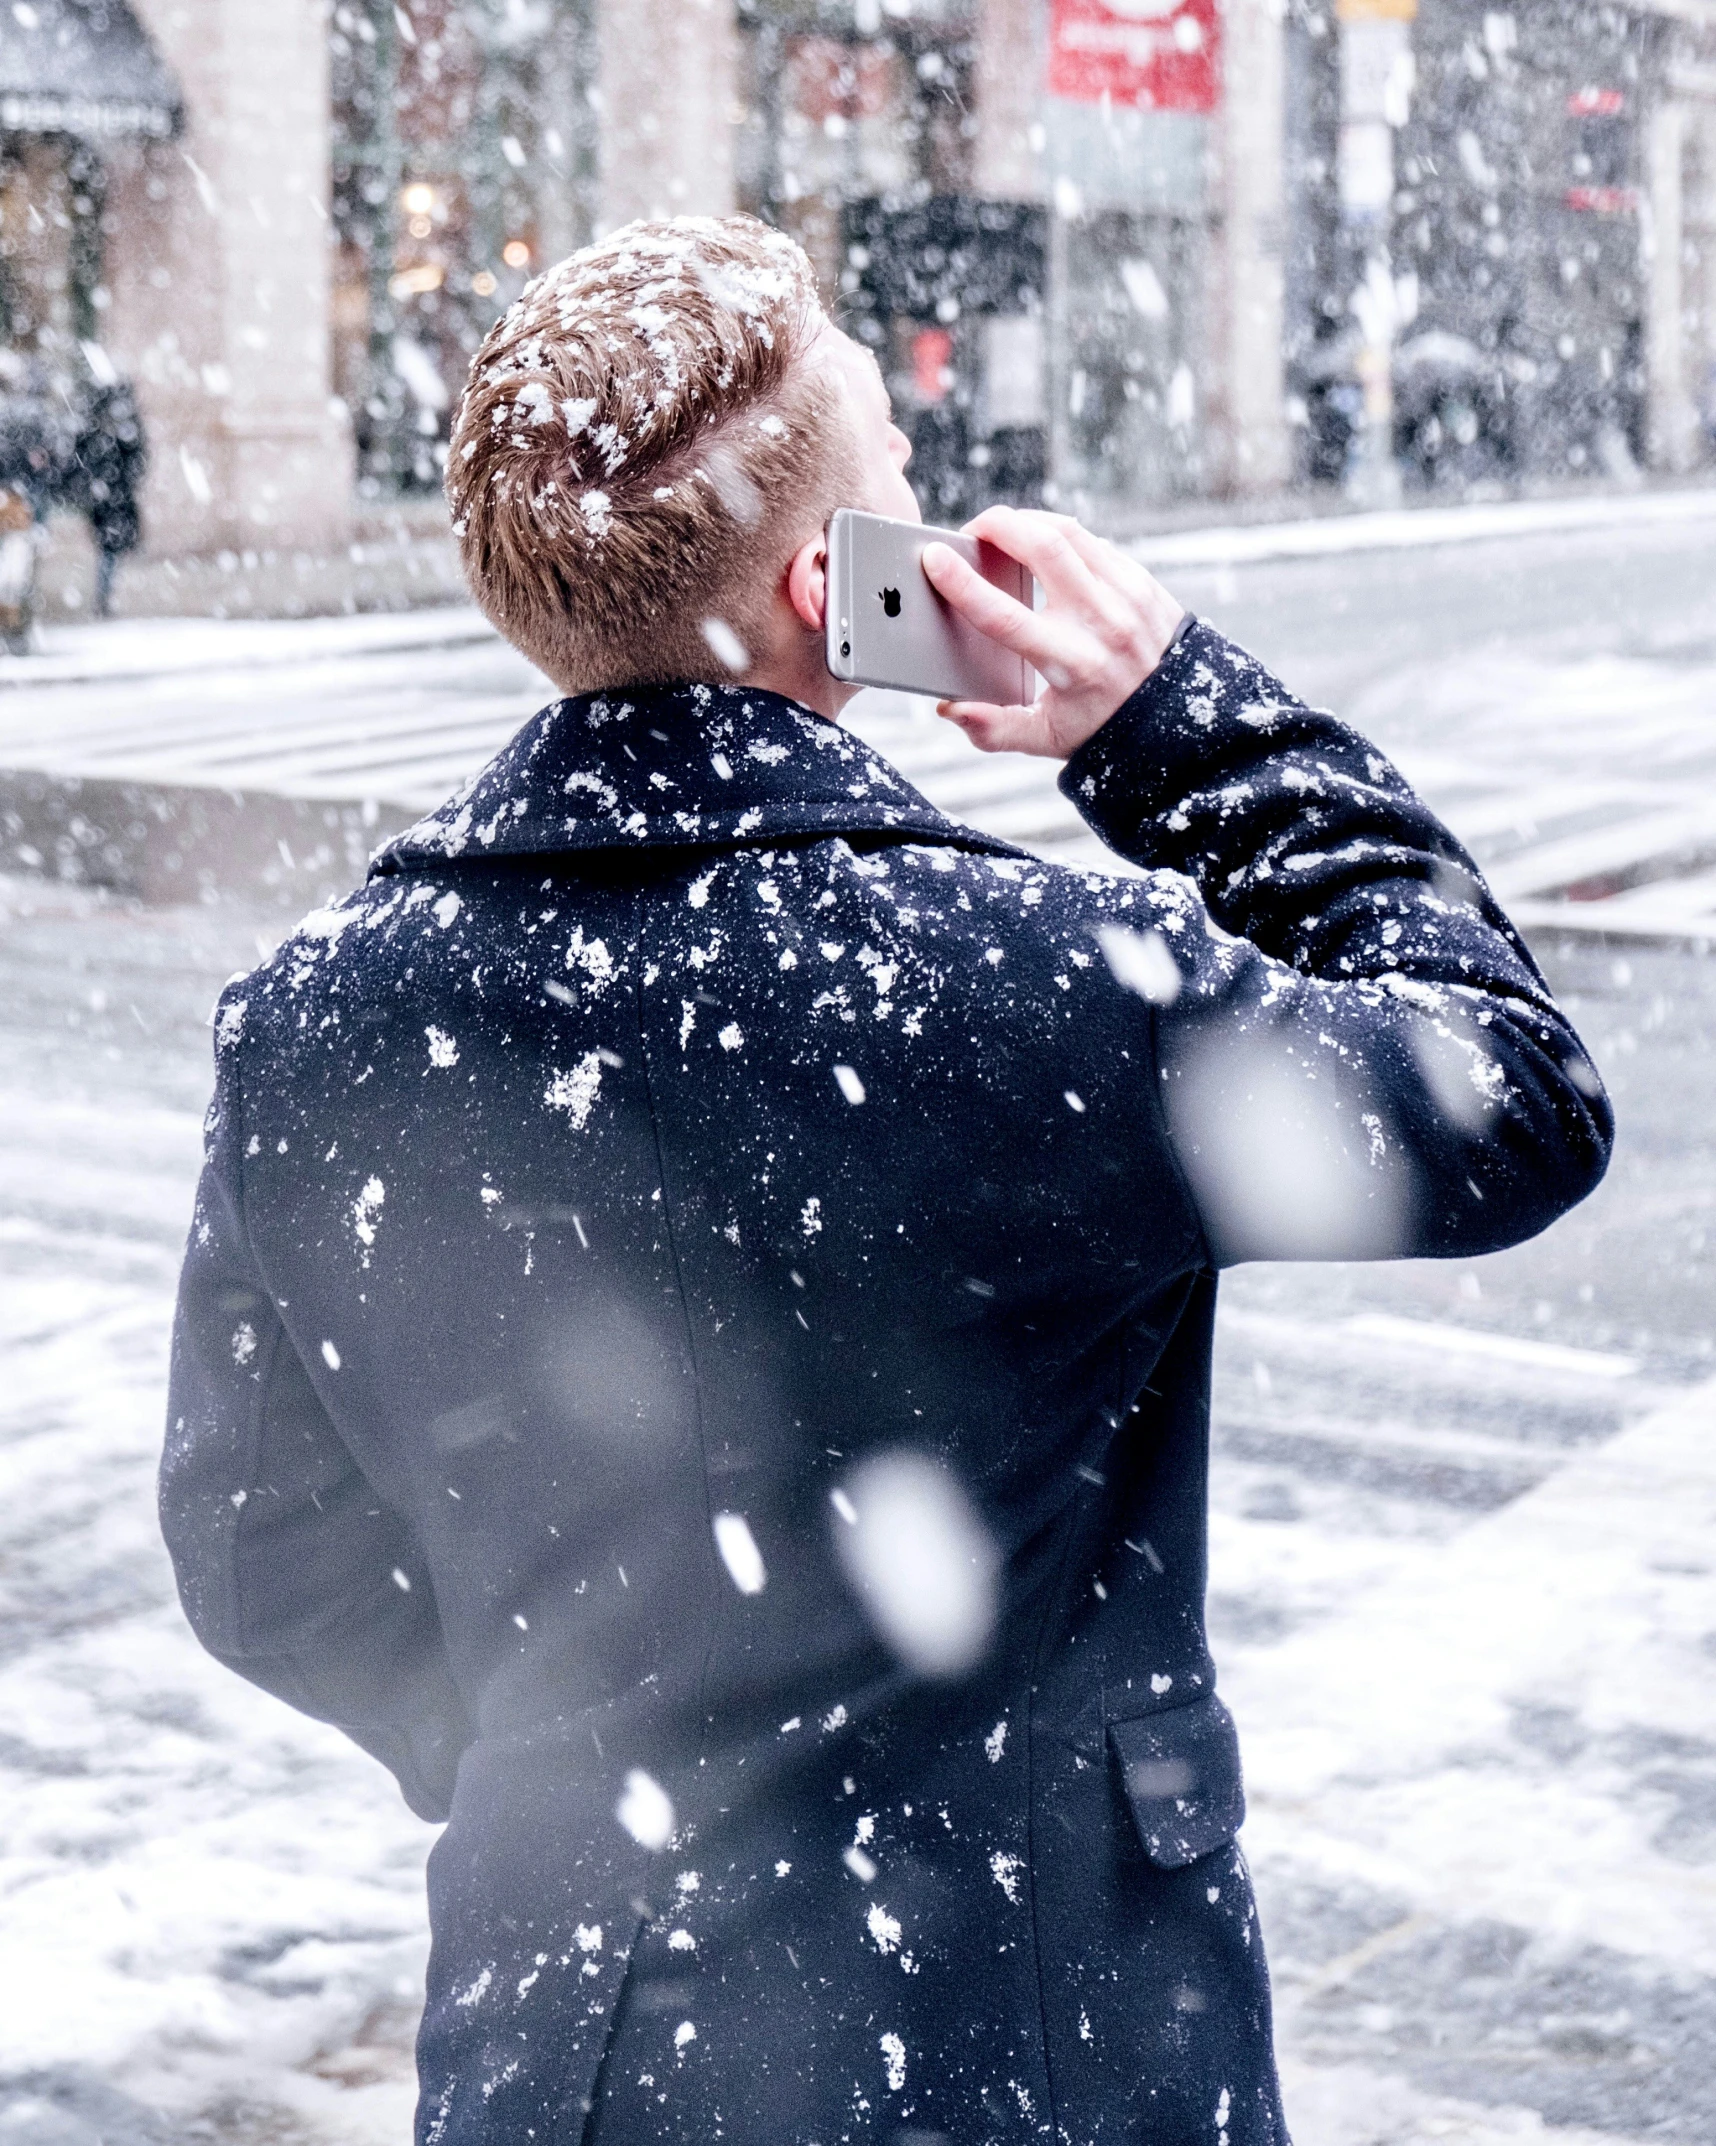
(1120, 569)
(1049, 544)
(1031, 634)
(1039, 541)
(1009, 528)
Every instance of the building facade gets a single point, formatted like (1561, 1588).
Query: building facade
(1522, 220)
(1119, 254)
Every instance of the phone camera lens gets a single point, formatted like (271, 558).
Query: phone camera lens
(846, 648)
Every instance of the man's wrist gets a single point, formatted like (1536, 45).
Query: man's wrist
(1188, 619)
(1184, 621)
(1108, 776)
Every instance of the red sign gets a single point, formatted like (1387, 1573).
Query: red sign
(1602, 200)
(1151, 55)
(932, 364)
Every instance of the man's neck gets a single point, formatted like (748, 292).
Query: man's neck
(803, 676)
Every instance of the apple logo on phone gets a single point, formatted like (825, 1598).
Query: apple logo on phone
(890, 602)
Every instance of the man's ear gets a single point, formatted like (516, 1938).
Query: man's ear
(807, 582)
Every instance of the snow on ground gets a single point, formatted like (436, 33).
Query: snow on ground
(1517, 1725)
(1426, 528)
(213, 1909)
(129, 649)
(1460, 1559)
(199, 1889)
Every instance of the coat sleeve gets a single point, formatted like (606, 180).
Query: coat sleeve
(1359, 1058)
(291, 1568)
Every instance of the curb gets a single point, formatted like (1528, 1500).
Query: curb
(1421, 528)
(161, 843)
(120, 652)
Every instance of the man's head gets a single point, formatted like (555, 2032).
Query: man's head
(650, 443)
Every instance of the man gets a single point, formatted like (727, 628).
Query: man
(695, 1343)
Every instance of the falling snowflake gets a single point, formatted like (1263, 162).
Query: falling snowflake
(645, 1810)
(725, 646)
(739, 1553)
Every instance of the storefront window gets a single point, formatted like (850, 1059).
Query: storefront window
(1043, 337)
(51, 193)
(456, 159)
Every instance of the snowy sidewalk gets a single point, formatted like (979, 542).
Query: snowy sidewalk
(209, 1908)
(1332, 536)
(1458, 1569)
(1504, 1768)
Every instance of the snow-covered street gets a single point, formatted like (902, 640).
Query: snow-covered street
(1461, 1563)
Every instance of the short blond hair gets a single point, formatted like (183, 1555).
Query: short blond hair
(639, 451)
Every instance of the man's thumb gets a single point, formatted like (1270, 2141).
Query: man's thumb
(998, 730)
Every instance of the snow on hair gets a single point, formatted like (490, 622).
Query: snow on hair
(637, 449)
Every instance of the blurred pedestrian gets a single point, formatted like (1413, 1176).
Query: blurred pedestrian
(67, 441)
(111, 458)
(37, 451)
(18, 547)
(695, 1341)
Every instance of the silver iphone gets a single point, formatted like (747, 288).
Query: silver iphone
(886, 626)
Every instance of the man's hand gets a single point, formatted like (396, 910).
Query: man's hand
(1104, 628)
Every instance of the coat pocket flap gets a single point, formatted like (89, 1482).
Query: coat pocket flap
(1181, 1774)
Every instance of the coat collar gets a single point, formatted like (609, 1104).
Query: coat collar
(673, 767)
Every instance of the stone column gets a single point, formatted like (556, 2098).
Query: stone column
(218, 267)
(1008, 76)
(1377, 80)
(1250, 445)
(570, 142)
(667, 72)
(1671, 411)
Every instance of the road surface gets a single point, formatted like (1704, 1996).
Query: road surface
(1465, 1515)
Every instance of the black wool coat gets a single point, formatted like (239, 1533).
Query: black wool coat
(695, 1346)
